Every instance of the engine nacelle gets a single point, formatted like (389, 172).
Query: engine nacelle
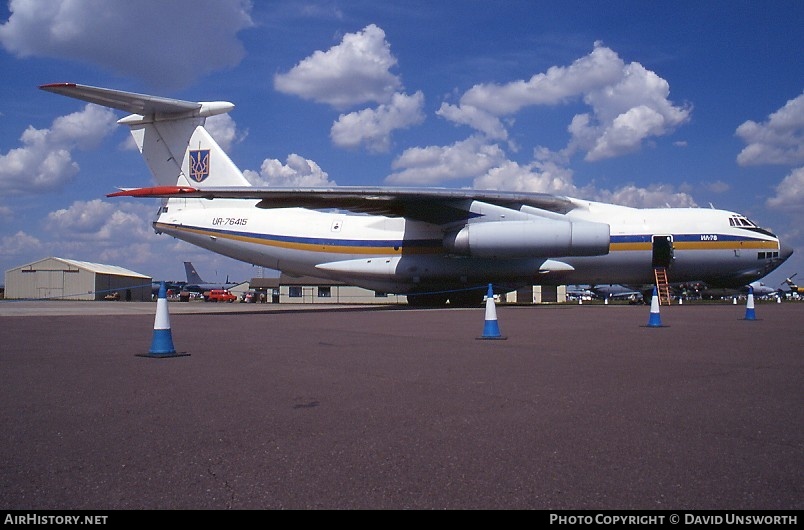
(538, 238)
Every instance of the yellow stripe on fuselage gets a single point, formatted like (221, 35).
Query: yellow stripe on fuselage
(308, 247)
(745, 244)
(725, 245)
(615, 247)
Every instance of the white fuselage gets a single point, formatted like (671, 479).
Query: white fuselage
(394, 254)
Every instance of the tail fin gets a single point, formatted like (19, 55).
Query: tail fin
(169, 133)
(192, 276)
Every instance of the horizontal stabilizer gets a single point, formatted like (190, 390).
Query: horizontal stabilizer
(118, 99)
(141, 104)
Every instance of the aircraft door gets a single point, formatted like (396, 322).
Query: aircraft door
(662, 251)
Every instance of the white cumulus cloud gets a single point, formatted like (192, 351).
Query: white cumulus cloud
(373, 127)
(101, 231)
(779, 140)
(629, 104)
(298, 172)
(480, 120)
(354, 72)
(19, 244)
(790, 192)
(489, 169)
(538, 177)
(185, 39)
(431, 165)
(657, 196)
(44, 162)
(102, 223)
(224, 130)
(602, 67)
(549, 176)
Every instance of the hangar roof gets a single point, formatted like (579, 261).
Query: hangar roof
(92, 267)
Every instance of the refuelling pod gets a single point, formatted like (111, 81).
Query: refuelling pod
(529, 239)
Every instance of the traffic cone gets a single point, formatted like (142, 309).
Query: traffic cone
(162, 343)
(749, 305)
(655, 320)
(491, 329)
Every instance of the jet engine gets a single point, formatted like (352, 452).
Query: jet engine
(529, 239)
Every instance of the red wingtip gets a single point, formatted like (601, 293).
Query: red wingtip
(157, 191)
(56, 85)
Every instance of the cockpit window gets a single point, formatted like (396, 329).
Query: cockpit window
(737, 220)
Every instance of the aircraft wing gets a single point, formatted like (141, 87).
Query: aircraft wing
(434, 205)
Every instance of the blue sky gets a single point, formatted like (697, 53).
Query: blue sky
(637, 103)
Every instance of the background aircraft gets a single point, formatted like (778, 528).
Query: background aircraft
(603, 292)
(173, 288)
(760, 290)
(795, 289)
(617, 292)
(580, 292)
(196, 285)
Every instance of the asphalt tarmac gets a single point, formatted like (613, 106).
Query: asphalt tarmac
(582, 407)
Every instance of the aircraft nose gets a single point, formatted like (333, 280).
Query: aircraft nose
(785, 251)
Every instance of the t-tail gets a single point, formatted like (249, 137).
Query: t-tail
(169, 133)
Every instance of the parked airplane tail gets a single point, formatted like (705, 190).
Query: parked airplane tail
(794, 287)
(192, 276)
(169, 133)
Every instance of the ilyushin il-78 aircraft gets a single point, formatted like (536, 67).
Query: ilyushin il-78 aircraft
(434, 245)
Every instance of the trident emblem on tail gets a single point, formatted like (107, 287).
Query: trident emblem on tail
(199, 165)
